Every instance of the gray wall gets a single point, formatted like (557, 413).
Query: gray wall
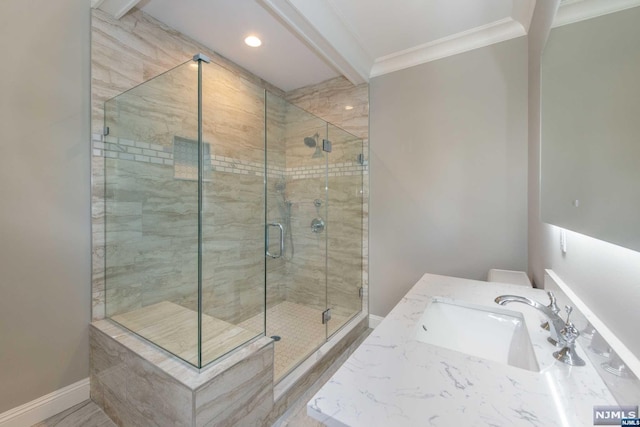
(44, 188)
(605, 276)
(538, 33)
(448, 170)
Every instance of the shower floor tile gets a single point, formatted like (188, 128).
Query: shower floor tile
(300, 330)
(175, 328)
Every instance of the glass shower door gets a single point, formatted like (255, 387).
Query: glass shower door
(313, 231)
(345, 230)
(296, 217)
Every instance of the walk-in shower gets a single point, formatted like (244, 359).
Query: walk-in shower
(211, 194)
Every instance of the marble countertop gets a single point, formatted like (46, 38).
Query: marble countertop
(394, 380)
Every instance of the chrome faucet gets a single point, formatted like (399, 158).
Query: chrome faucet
(569, 335)
(563, 333)
(556, 324)
(553, 307)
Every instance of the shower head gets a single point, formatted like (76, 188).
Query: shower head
(311, 141)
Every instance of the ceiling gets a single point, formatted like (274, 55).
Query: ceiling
(222, 25)
(389, 26)
(309, 41)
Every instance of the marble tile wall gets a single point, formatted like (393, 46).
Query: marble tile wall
(130, 391)
(328, 101)
(138, 385)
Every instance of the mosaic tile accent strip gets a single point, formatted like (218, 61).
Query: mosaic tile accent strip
(334, 169)
(124, 149)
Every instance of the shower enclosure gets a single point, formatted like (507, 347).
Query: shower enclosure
(229, 214)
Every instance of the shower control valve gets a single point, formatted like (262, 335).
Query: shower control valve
(317, 225)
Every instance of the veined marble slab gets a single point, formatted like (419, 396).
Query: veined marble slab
(394, 380)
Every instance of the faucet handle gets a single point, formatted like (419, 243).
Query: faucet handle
(552, 303)
(569, 332)
(568, 309)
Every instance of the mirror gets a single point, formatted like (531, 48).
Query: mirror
(590, 160)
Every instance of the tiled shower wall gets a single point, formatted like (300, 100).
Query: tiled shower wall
(141, 48)
(347, 106)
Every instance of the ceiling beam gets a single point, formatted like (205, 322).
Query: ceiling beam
(327, 36)
(115, 8)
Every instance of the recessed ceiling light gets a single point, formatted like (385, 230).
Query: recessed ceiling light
(348, 107)
(253, 41)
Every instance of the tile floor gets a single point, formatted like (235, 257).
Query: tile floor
(85, 414)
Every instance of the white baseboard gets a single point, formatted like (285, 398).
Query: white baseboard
(374, 320)
(46, 406)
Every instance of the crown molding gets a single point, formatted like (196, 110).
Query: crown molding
(581, 10)
(322, 29)
(320, 25)
(504, 29)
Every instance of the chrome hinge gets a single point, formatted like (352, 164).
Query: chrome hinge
(326, 316)
(361, 292)
(326, 145)
(105, 131)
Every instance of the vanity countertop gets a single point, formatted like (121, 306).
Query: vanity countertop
(394, 380)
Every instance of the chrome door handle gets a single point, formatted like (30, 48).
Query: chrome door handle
(275, 224)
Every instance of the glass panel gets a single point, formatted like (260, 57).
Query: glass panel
(151, 216)
(279, 207)
(296, 196)
(344, 233)
(233, 212)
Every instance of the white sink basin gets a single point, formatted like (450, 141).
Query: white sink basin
(491, 333)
